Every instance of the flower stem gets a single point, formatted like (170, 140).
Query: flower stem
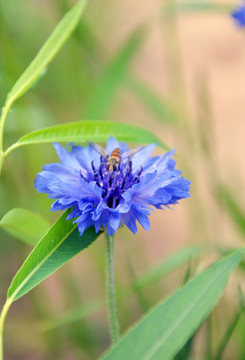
(110, 289)
(2, 320)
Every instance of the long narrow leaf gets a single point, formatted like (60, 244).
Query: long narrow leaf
(59, 245)
(90, 130)
(104, 94)
(185, 352)
(150, 276)
(47, 52)
(25, 225)
(164, 331)
(161, 109)
(142, 300)
(169, 264)
(233, 208)
(228, 333)
(72, 315)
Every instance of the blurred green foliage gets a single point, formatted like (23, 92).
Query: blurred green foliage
(90, 80)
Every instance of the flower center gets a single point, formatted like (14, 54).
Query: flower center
(114, 181)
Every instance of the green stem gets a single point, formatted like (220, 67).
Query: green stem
(227, 335)
(110, 289)
(1, 160)
(2, 320)
(4, 114)
(4, 154)
(209, 339)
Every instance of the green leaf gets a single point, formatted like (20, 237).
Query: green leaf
(106, 90)
(144, 304)
(185, 352)
(165, 330)
(233, 208)
(60, 244)
(72, 315)
(150, 276)
(25, 225)
(89, 130)
(169, 264)
(150, 99)
(47, 52)
(228, 333)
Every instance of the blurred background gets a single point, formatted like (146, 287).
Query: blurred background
(176, 69)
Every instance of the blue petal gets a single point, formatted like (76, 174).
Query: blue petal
(161, 164)
(97, 224)
(75, 213)
(62, 188)
(178, 190)
(142, 190)
(56, 206)
(239, 15)
(41, 181)
(65, 157)
(75, 183)
(112, 144)
(85, 156)
(161, 197)
(124, 147)
(84, 222)
(130, 221)
(142, 156)
(85, 206)
(113, 223)
(142, 216)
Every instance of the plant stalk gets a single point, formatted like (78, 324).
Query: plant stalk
(110, 289)
(1, 160)
(2, 320)
(4, 114)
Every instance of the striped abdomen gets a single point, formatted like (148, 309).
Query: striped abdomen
(114, 159)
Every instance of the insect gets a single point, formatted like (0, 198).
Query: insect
(115, 158)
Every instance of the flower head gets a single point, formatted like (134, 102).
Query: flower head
(112, 187)
(239, 14)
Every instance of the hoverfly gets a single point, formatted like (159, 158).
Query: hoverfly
(115, 158)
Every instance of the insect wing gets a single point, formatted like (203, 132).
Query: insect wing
(131, 152)
(99, 149)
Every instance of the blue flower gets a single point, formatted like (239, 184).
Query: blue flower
(108, 196)
(239, 15)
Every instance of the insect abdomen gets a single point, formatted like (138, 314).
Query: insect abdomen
(116, 154)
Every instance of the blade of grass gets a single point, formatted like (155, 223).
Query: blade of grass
(150, 276)
(167, 265)
(227, 335)
(209, 338)
(157, 106)
(72, 316)
(136, 288)
(51, 47)
(180, 315)
(106, 90)
(233, 208)
(185, 352)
